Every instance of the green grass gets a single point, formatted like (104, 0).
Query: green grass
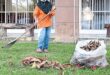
(10, 60)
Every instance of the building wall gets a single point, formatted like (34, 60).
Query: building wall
(67, 20)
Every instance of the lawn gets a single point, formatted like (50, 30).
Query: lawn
(10, 60)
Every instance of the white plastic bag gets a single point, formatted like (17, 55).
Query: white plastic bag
(94, 57)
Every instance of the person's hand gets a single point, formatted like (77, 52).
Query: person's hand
(35, 23)
(53, 7)
(52, 11)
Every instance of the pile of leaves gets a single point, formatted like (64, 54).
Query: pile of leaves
(92, 45)
(36, 62)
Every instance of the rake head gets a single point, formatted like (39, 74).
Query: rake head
(10, 44)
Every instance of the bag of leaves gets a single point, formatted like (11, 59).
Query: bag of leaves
(90, 53)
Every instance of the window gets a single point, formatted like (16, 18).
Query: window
(101, 14)
(2, 11)
(17, 11)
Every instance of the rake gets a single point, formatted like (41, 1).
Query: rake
(15, 40)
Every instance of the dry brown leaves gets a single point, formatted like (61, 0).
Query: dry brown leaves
(43, 63)
(92, 45)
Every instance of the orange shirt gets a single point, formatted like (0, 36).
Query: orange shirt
(40, 14)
